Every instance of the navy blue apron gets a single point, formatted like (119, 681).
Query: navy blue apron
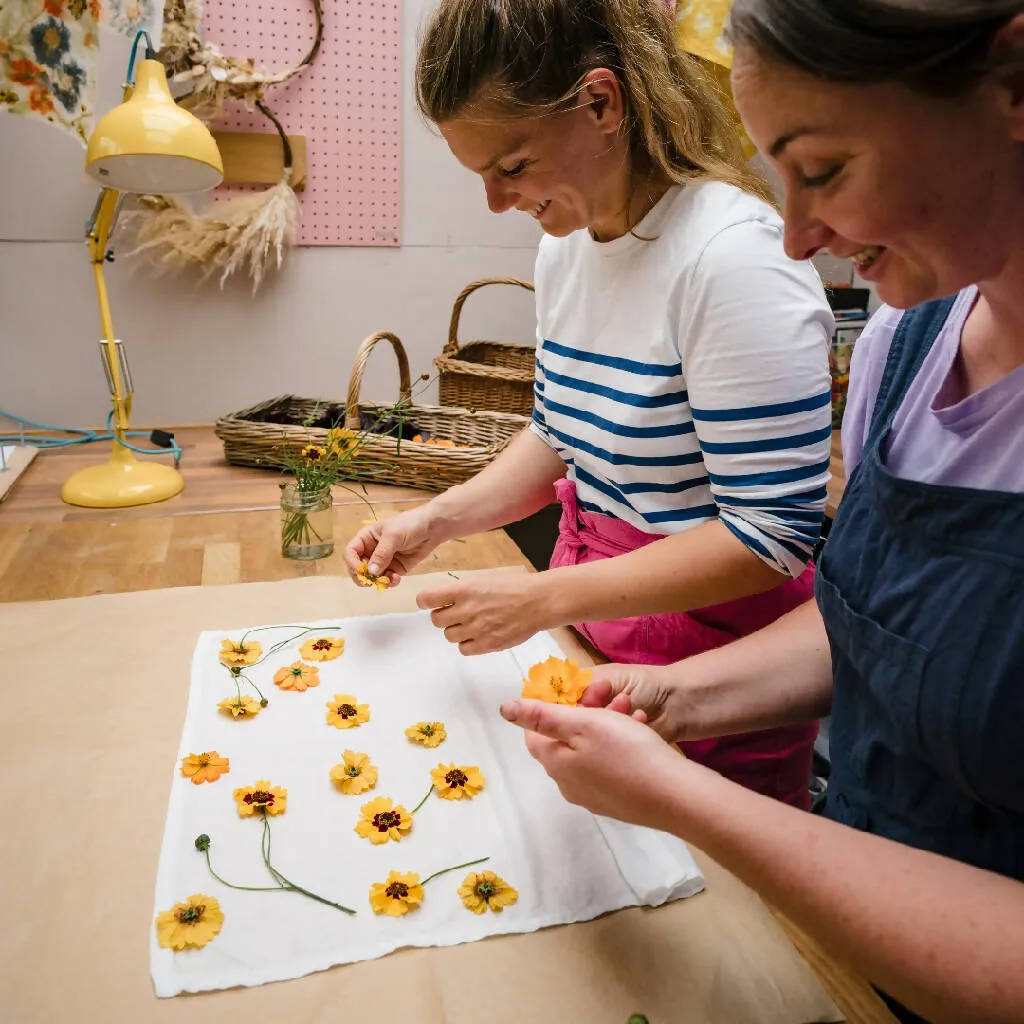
(921, 588)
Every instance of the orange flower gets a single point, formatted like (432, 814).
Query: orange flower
(208, 767)
(557, 681)
(240, 707)
(260, 799)
(322, 648)
(23, 72)
(39, 100)
(297, 676)
(381, 820)
(454, 783)
(54, 7)
(344, 712)
(95, 8)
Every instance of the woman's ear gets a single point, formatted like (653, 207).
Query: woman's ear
(601, 94)
(1008, 58)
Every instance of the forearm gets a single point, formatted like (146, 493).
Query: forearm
(518, 483)
(943, 938)
(780, 675)
(694, 569)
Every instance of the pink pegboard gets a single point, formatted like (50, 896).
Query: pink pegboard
(348, 105)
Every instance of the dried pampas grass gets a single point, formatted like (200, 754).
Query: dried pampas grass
(243, 233)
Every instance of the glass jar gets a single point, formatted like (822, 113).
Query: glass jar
(307, 523)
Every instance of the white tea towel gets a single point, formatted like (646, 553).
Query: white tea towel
(567, 864)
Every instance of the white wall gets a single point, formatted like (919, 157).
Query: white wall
(198, 352)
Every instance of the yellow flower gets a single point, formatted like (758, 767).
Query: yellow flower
(261, 799)
(365, 578)
(398, 895)
(381, 820)
(486, 890)
(192, 923)
(322, 648)
(454, 783)
(345, 713)
(208, 767)
(297, 676)
(240, 654)
(355, 774)
(430, 734)
(313, 453)
(557, 681)
(341, 440)
(240, 707)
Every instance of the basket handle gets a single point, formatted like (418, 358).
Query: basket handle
(355, 383)
(451, 349)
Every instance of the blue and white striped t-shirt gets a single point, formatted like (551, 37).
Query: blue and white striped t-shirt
(685, 378)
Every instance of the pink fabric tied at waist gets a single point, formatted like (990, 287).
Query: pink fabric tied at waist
(776, 762)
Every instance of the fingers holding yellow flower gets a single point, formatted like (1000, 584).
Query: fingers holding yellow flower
(557, 681)
(381, 820)
(345, 712)
(240, 707)
(484, 890)
(190, 924)
(208, 767)
(240, 653)
(365, 578)
(398, 895)
(453, 782)
(430, 734)
(297, 676)
(355, 774)
(261, 799)
(322, 648)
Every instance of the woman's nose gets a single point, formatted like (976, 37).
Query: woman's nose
(499, 196)
(806, 234)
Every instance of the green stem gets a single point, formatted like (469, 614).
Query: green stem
(247, 888)
(423, 801)
(287, 882)
(252, 684)
(444, 871)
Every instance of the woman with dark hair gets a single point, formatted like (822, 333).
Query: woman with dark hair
(898, 129)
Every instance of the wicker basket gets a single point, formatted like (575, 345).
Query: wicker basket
(255, 437)
(491, 375)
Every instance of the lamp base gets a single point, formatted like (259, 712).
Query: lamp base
(120, 483)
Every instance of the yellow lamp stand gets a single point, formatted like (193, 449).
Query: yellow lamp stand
(147, 144)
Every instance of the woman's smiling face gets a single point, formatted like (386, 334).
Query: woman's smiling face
(924, 193)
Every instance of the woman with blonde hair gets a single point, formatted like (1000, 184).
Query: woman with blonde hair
(682, 394)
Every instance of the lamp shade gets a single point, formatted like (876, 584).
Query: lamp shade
(150, 144)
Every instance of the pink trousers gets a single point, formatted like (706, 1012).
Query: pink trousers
(775, 762)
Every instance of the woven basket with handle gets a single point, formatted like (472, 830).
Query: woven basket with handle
(491, 375)
(256, 436)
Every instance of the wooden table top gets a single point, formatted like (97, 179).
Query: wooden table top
(224, 528)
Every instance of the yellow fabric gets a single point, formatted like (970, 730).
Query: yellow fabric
(700, 30)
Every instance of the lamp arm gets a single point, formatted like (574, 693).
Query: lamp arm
(100, 228)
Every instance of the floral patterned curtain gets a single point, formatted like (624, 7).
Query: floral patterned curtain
(49, 50)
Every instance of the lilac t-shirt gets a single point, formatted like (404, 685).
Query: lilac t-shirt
(975, 442)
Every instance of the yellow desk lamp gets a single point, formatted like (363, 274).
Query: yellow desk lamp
(147, 144)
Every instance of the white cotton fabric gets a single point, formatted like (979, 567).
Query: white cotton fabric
(567, 864)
